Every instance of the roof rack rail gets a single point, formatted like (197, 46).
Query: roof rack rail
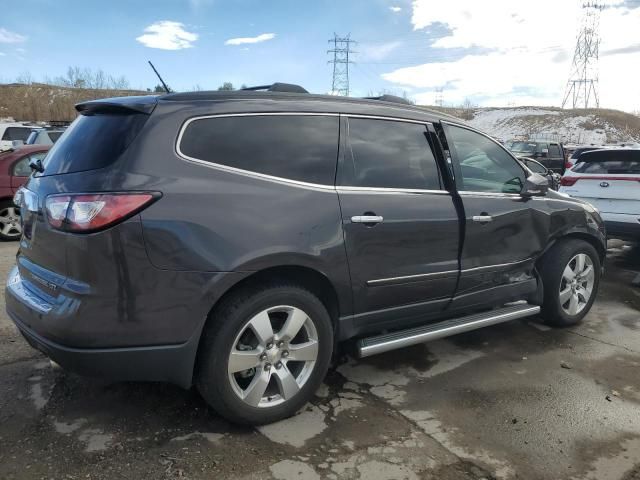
(390, 98)
(278, 87)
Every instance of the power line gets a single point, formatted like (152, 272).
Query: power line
(582, 86)
(341, 51)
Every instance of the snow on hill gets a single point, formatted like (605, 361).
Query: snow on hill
(569, 126)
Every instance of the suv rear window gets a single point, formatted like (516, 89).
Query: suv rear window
(16, 133)
(609, 162)
(93, 141)
(297, 147)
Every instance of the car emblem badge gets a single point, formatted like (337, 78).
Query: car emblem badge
(604, 184)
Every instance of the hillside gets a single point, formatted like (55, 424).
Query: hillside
(41, 102)
(569, 126)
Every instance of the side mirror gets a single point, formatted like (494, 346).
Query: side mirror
(535, 185)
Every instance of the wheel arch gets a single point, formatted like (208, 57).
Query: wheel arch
(579, 235)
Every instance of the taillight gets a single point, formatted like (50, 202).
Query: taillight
(86, 213)
(568, 165)
(568, 181)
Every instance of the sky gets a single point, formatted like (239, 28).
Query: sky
(492, 53)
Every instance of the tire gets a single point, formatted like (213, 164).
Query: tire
(10, 227)
(567, 300)
(238, 336)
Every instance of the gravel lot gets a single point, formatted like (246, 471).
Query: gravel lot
(517, 400)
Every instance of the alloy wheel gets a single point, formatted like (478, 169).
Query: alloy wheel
(10, 222)
(273, 356)
(576, 285)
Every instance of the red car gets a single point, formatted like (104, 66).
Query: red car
(14, 171)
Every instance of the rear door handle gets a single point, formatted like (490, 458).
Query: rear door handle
(367, 219)
(482, 218)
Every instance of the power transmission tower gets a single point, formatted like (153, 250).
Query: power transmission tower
(439, 97)
(582, 87)
(341, 51)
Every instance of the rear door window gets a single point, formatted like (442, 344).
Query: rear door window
(389, 154)
(93, 141)
(297, 147)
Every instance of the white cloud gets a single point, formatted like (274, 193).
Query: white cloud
(7, 36)
(531, 52)
(263, 37)
(167, 35)
(395, 9)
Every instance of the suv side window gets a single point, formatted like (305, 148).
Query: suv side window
(483, 165)
(297, 147)
(388, 154)
(554, 150)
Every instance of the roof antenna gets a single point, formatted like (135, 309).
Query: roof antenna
(159, 77)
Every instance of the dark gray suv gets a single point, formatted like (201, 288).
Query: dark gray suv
(233, 240)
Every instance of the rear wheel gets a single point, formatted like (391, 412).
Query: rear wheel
(265, 353)
(570, 274)
(10, 228)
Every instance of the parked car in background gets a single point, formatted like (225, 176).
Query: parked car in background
(13, 135)
(14, 172)
(549, 154)
(233, 240)
(575, 155)
(609, 179)
(536, 167)
(43, 136)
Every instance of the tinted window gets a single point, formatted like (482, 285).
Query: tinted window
(389, 154)
(610, 162)
(16, 133)
(484, 166)
(536, 167)
(93, 141)
(54, 136)
(576, 154)
(303, 148)
(554, 150)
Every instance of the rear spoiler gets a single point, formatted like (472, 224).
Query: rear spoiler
(120, 105)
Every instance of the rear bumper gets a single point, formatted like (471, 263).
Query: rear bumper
(162, 363)
(47, 324)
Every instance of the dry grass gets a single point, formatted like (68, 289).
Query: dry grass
(41, 102)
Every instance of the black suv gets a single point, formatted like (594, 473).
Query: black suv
(235, 239)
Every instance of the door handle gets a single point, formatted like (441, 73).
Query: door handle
(372, 219)
(482, 218)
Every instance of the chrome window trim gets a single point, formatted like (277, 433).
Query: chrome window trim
(249, 173)
(383, 117)
(393, 280)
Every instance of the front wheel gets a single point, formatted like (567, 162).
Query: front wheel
(570, 275)
(264, 353)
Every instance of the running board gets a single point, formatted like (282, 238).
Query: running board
(403, 338)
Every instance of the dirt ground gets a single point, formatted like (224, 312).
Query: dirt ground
(517, 400)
